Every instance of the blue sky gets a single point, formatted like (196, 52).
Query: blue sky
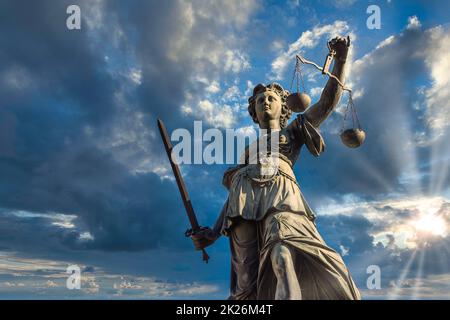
(84, 179)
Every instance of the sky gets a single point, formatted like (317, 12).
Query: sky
(84, 179)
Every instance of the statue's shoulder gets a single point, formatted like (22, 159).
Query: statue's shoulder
(229, 174)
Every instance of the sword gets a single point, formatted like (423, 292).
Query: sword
(195, 227)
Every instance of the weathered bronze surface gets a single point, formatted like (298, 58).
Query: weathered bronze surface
(353, 138)
(298, 101)
(277, 252)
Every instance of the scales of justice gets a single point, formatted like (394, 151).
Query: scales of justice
(299, 101)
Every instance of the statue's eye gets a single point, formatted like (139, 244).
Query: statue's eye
(261, 100)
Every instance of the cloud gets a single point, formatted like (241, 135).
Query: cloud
(407, 222)
(343, 3)
(221, 117)
(391, 234)
(413, 23)
(213, 87)
(308, 40)
(193, 42)
(431, 287)
(46, 279)
(436, 97)
(78, 130)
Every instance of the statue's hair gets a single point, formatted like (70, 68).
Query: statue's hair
(283, 94)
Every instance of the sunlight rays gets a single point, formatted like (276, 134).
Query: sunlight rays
(364, 163)
(439, 168)
(419, 273)
(394, 295)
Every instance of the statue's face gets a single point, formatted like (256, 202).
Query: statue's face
(268, 107)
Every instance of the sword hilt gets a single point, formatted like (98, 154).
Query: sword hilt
(189, 233)
(205, 256)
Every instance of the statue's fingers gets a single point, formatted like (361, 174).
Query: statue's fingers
(197, 237)
(211, 235)
(199, 243)
(202, 243)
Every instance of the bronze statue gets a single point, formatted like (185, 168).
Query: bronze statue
(276, 250)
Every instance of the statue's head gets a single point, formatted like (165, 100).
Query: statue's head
(268, 103)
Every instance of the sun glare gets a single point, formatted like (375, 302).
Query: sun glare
(431, 223)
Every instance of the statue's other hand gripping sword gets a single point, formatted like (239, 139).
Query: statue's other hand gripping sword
(195, 227)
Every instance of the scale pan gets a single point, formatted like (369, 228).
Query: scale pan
(353, 138)
(298, 101)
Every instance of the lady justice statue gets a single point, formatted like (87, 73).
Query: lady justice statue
(276, 250)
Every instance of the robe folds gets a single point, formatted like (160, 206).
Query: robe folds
(259, 213)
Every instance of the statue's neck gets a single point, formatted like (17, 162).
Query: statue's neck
(273, 124)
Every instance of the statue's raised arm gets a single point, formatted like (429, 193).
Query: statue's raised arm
(332, 92)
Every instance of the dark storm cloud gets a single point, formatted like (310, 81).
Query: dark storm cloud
(35, 232)
(161, 92)
(55, 83)
(53, 65)
(350, 232)
(52, 87)
(121, 211)
(60, 116)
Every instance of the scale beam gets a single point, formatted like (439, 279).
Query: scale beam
(304, 61)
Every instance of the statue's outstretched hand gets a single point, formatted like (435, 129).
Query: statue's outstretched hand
(340, 45)
(204, 237)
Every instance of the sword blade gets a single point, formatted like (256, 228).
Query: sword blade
(180, 182)
(178, 177)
